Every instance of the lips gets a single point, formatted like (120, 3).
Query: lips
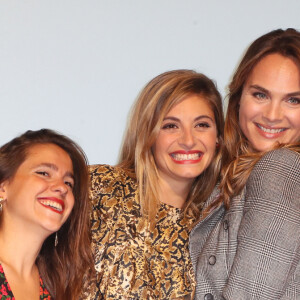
(186, 157)
(53, 204)
(270, 132)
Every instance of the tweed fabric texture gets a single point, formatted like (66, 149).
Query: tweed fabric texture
(252, 251)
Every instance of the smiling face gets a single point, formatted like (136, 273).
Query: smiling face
(186, 142)
(270, 103)
(40, 193)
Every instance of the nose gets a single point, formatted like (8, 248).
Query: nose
(59, 186)
(187, 139)
(273, 112)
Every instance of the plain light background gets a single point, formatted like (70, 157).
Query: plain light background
(78, 66)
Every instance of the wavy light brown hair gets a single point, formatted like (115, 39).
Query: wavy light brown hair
(65, 267)
(239, 157)
(152, 105)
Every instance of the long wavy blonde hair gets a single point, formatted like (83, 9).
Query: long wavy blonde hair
(239, 157)
(152, 105)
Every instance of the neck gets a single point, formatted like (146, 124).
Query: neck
(19, 247)
(174, 192)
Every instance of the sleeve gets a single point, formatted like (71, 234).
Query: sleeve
(105, 194)
(268, 249)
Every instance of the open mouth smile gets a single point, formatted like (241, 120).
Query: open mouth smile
(53, 204)
(270, 130)
(188, 157)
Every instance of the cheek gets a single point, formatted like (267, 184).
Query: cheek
(210, 141)
(296, 124)
(161, 145)
(71, 202)
(249, 109)
(243, 110)
(247, 112)
(296, 120)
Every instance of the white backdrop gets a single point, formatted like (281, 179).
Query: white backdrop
(77, 66)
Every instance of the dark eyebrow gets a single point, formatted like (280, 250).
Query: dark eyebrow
(54, 167)
(196, 119)
(260, 88)
(294, 94)
(257, 87)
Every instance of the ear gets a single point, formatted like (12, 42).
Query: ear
(3, 189)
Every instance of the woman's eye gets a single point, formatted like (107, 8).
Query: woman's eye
(203, 125)
(43, 173)
(169, 126)
(259, 95)
(293, 100)
(70, 184)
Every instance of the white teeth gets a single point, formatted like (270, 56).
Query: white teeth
(180, 157)
(268, 130)
(52, 204)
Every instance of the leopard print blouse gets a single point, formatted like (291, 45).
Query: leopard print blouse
(131, 262)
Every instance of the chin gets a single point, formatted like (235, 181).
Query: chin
(262, 149)
(190, 175)
(51, 227)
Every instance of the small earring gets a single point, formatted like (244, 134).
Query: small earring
(56, 239)
(217, 145)
(1, 205)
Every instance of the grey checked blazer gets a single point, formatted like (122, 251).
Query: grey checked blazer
(252, 251)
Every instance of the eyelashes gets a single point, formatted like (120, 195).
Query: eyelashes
(263, 96)
(169, 126)
(70, 184)
(293, 100)
(43, 173)
(259, 95)
(46, 174)
(204, 125)
(175, 126)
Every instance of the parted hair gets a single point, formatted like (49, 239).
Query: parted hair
(148, 112)
(239, 157)
(65, 267)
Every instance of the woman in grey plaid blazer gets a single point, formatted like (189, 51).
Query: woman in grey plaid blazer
(247, 243)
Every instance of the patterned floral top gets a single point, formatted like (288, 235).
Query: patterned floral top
(6, 293)
(133, 262)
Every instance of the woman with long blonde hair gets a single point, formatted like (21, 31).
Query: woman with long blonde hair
(144, 208)
(247, 243)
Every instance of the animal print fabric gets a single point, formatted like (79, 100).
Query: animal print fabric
(131, 261)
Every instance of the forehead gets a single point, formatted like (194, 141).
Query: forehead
(192, 104)
(275, 69)
(47, 153)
